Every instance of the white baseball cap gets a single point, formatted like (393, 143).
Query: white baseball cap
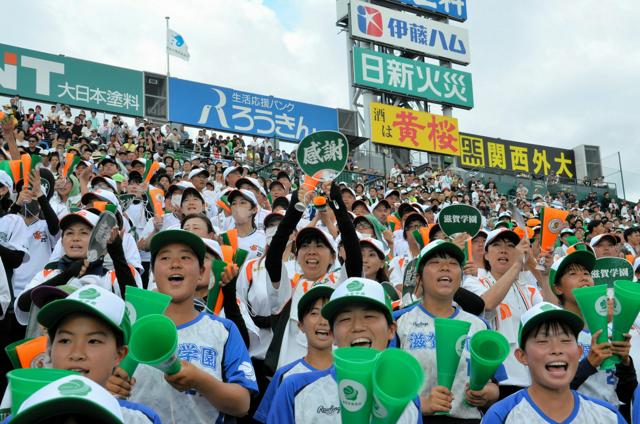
(6, 180)
(244, 193)
(597, 239)
(376, 244)
(252, 181)
(213, 246)
(109, 181)
(229, 170)
(84, 216)
(357, 290)
(198, 171)
(502, 233)
(70, 395)
(101, 194)
(545, 311)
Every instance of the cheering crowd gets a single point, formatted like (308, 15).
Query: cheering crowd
(255, 338)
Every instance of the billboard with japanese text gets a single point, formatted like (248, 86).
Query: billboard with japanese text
(412, 78)
(409, 32)
(226, 109)
(411, 129)
(452, 9)
(480, 152)
(59, 79)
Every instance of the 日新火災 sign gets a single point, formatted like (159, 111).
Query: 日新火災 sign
(408, 31)
(412, 78)
(59, 79)
(452, 9)
(503, 155)
(226, 109)
(411, 129)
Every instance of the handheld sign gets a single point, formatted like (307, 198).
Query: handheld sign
(610, 269)
(459, 218)
(100, 236)
(323, 154)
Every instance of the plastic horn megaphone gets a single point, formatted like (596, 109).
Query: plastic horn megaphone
(593, 303)
(488, 351)
(23, 382)
(397, 378)
(10, 350)
(451, 335)
(154, 340)
(354, 368)
(141, 303)
(625, 308)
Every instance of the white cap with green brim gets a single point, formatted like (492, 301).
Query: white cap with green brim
(358, 290)
(437, 247)
(545, 311)
(582, 257)
(316, 292)
(73, 395)
(93, 300)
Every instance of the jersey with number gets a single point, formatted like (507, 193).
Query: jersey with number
(416, 335)
(506, 318)
(215, 346)
(312, 398)
(39, 243)
(296, 367)
(520, 408)
(601, 385)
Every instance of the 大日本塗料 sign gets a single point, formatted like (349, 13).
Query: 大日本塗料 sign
(59, 79)
(503, 155)
(226, 109)
(409, 32)
(413, 129)
(412, 78)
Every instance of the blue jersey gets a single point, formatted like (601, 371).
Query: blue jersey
(416, 335)
(520, 408)
(312, 398)
(296, 367)
(212, 344)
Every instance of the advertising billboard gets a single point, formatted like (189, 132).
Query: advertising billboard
(452, 9)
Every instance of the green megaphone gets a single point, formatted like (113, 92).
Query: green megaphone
(354, 368)
(141, 303)
(23, 382)
(10, 350)
(593, 303)
(451, 336)
(488, 351)
(625, 308)
(397, 378)
(154, 340)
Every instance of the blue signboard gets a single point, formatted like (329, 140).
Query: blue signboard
(453, 9)
(226, 109)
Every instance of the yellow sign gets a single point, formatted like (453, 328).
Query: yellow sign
(415, 130)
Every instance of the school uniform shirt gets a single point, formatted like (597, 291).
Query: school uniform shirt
(312, 397)
(136, 413)
(137, 213)
(39, 244)
(296, 367)
(294, 342)
(14, 234)
(416, 335)
(601, 385)
(107, 281)
(520, 408)
(253, 243)
(215, 346)
(506, 319)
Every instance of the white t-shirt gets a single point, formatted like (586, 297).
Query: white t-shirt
(39, 243)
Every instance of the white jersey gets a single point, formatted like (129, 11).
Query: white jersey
(14, 234)
(215, 346)
(312, 397)
(416, 335)
(135, 413)
(39, 243)
(506, 319)
(520, 408)
(137, 213)
(601, 385)
(296, 367)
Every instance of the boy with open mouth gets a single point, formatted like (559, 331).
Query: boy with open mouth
(548, 346)
(359, 314)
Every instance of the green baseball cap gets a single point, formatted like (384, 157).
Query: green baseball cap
(354, 290)
(582, 257)
(316, 292)
(93, 300)
(545, 311)
(166, 237)
(73, 395)
(437, 247)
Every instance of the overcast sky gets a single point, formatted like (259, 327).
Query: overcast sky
(557, 73)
